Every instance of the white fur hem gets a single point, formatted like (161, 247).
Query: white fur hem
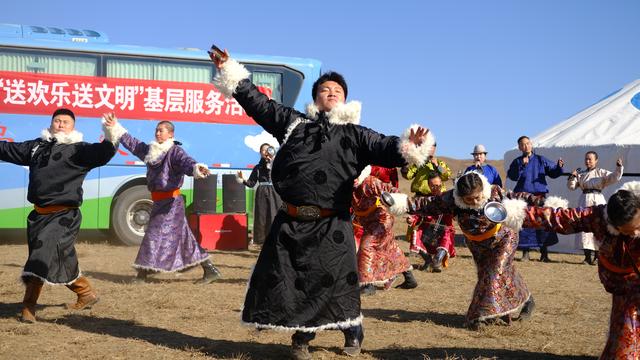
(332, 326)
(341, 114)
(415, 155)
(113, 133)
(400, 204)
(150, 268)
(363, 174)
(197, 174)
(228, 77)
(515, 213)
(556, 202)
(632, 186)
(61, 138)
(47, 282)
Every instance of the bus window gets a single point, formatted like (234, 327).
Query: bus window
(271, 80)
(154, 70)
(48, 63)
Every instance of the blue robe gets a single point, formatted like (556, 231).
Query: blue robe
(531, 178)
(489, 172)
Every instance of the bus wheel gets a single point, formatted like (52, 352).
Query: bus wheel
(130, 215)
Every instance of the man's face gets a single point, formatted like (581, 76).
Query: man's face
(481, 157)
(435, 185)
(632, 228)
(163, 134)
(62, 124)
(525, 146)
(590, 161)
(329, 94)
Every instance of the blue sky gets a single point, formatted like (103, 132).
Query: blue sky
(472, 71)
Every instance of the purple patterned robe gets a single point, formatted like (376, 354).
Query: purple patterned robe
(168, 244)
(500, 291)
(614, 268)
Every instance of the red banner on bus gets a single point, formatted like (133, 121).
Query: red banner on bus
(31, 93)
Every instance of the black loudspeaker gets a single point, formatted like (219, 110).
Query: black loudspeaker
(233, 195)
(204, 194)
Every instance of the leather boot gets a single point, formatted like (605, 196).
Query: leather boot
(31, 294)
(300, 345)
(86, 295)
(211, 273)
(527, 309)
(141, 277)
(368, 289)
(353, 338)
(594, 261)
(587, 257)
(525, 255)
(409, 281)
(438, 259)
(544, 255)
(427, 260)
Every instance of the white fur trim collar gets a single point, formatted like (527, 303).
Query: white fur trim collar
(486, 193)
(556, 202)
(412, 154)
(62, 138)
(156, 150)
(515, 213)
(341, 114)
(400, 204)
(632, 186)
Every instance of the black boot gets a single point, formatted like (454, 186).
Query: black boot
(368, 289)
(353, 338)
(300, 345)
(544, 255)
(427, 260)
(409, 281)
(438, 259)
(594, 261)
(141, 277)
(587, 257)
(527, 309)
(525, 255)
(211, 273)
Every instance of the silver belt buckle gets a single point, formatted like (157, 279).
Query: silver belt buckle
(308, 212)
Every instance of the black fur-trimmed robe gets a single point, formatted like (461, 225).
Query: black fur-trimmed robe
(57, 167)
(306, 276)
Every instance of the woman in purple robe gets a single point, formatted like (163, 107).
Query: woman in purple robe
(168, 244)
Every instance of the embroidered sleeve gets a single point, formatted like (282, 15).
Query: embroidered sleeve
(432, 205)
(135, 146)
(567, 221)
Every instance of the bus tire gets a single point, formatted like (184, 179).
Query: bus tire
(130, 215)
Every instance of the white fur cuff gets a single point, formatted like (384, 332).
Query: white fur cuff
(416, 155)
(515, 213)
(228, 77)
(113, 133)
(556, 202)
(400, 205)
(197, 174)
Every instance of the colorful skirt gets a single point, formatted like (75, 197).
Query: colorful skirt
(168, 244)
(500, 290)
(624, 328)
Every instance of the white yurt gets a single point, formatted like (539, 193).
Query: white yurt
(611, 128)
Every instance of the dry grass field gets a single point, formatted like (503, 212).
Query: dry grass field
(171, 318)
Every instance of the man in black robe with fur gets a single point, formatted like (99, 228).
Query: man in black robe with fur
(306, 276)
(58, 162)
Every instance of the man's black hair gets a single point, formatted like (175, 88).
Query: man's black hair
(622, 207)
(329, 76)
(64, 111)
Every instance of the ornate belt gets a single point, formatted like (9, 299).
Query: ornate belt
(306, 212)
(162, 195)
(485, 235)
(45, 210)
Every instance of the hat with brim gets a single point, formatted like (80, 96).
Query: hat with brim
(479, 149)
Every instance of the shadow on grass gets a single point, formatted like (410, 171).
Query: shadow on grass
(11, 310)
(467, 353)
(219, 349)
(396, 315)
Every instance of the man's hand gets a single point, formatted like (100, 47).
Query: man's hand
(575, 173)
(110, 119)
(560, 162)
(418, 136)
(239, 175)
(219, 60)
(204, 170)
(525, 160)
(619, 162)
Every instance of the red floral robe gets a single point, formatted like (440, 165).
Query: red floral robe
(615, 269)
(500, 291)
(442, 234)
(380, 259)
